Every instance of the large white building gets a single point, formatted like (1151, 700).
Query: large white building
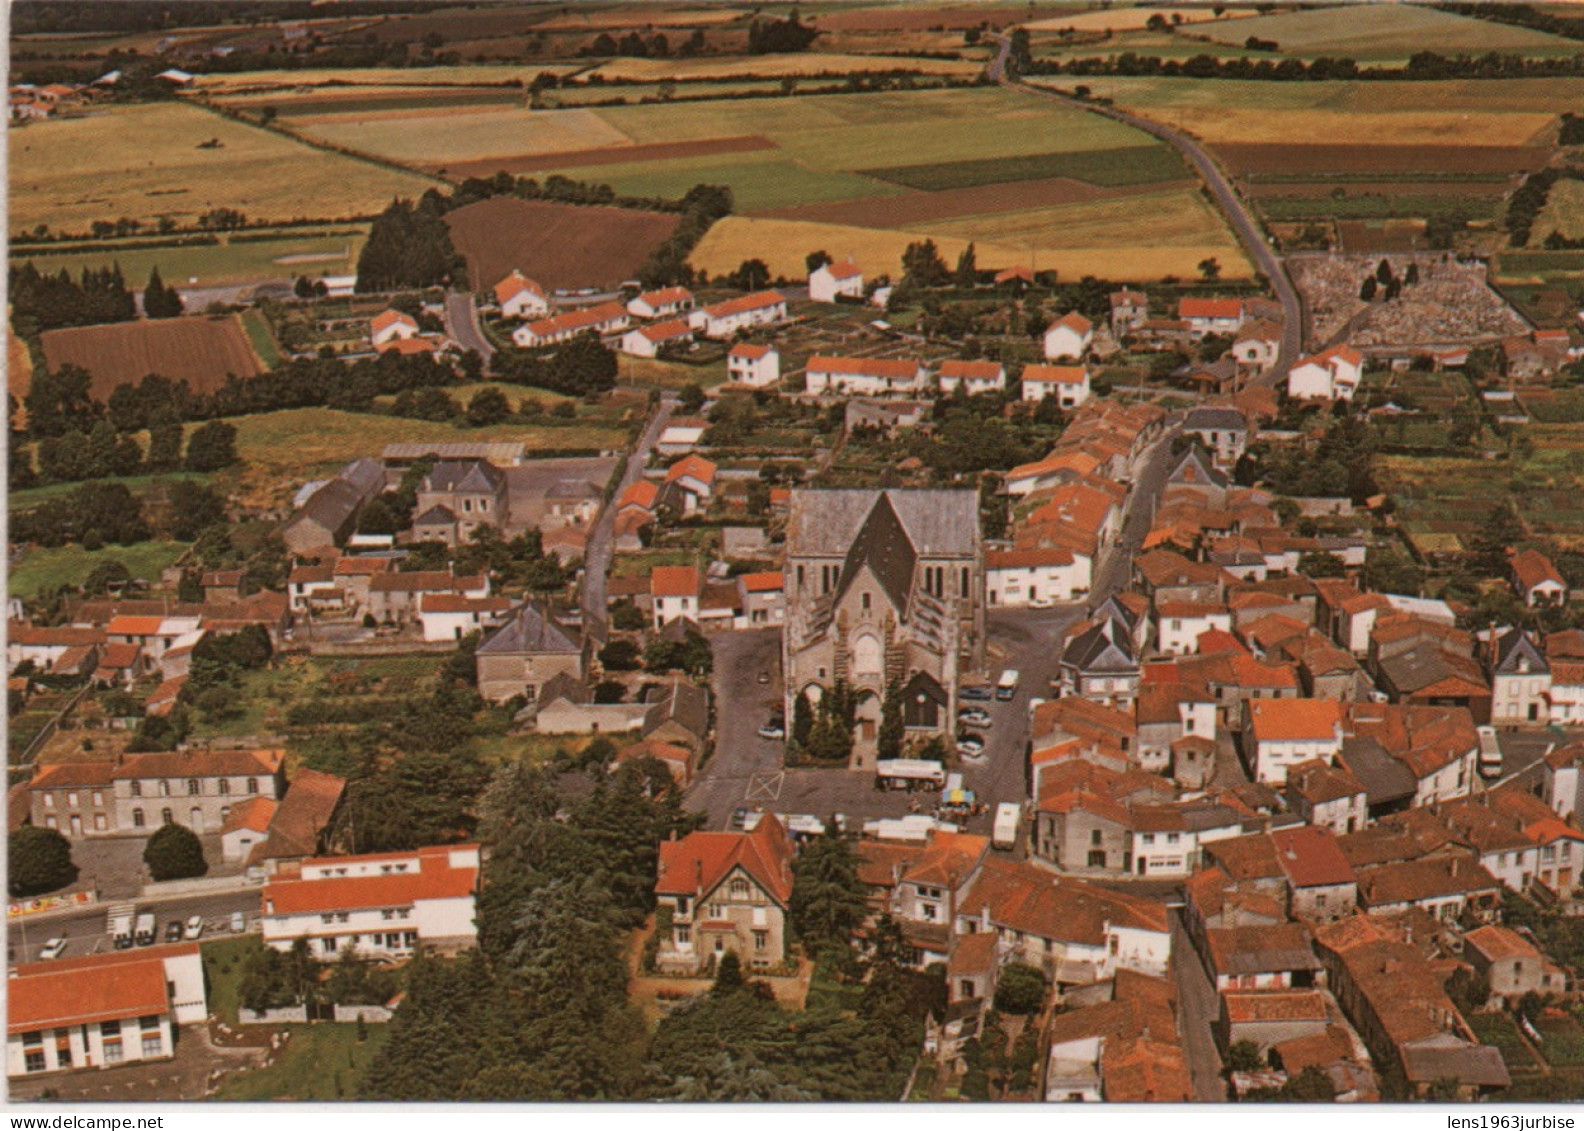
(757, 366)
(725, 319)
(1284, 732)
(101, 1009)
(1069, 336)
(1033, 578)
(382, 905)
(836, 279)
(865, 376)
(1332, 375)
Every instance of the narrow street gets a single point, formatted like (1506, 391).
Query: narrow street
(461, 325)
(601, 540)
(1197, 1008)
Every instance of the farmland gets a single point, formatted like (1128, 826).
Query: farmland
(1564, 211)
(438, 136)
(807, 65)
(1389, 31)
(1128, 166)
(377, 76)
(560, 245)
(229, 260)
(71, 565)
(1134, 18)
(199, 350)
(145, 161)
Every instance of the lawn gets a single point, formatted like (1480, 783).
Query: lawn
(257, 329)
(230, 261)
(71, 565)
(650, 372)
(145, 161)
(324, 1062)
(222, 960)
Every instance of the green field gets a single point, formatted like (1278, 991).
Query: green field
(1375, 206)
(230, 261)
(71, 565)
(1134, 165)
(1384, 31)
(758, 180)
(1501, 1032)
(257, 328)
(324, 1062)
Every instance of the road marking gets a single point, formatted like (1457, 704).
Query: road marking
(765, 787)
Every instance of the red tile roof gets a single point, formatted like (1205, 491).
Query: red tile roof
(1311, 857)
(65, 636)
(456, 603)
(756, 301)
(695, 865)
(766, 581)
(972, 370)
(1074, 321)
(948, 859)
(255, 813)
(67, 775)
(575, 320)
(84, 991)
(898, 369)
(1533, 568)
(514, 284)
(1210, 308)
(749, 350)
(200, 764)
(1294, 720)
(846, 270)
(1055, 374)
(643, 493)
(695, 466)
(675, 581)
(290, 894)
(134, 626)
(666, 296)
(388, 318)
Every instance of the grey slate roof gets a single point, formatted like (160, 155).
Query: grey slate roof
(436, 516)
(883, 545)
(1100, 649)
(1481, 1065)
(682, 703)
(530, 630)
(1514, 645)
(1385, 779)
(937, 522)
(470, 477)
(1205, 471)
(1215, 419)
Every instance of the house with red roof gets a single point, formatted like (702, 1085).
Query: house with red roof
(606, 318)
(657, 338)
(101, 1010)
(1211, 316)
(763, 598)
(927, 892)
(521, 297)
(1333, 374)
(831, 281)
(668, 302)
(724, 319)
(974, 377)
(246, 826)
(451, 616)
(755, 365)
(1033, 578)
(1537, 580)
(1280, 733)
(1510, 964)
(391, 325)
(690, 484)
(1069, 384)
(865, 376)
(725, 892)
(1069, 336)
(383, 905)
(675, 593)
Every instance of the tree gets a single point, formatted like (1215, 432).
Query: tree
(39, 861)
(814, 260)
(691, 398)
(1210, 269)
(1319, 563)
(621, 656)
(408, 248)
(194, 508)
(212, 446)
(174, 852)
(1383, 273)
(802, 719)
(165, 445)
(828, 901)
(967, 273)
(1020, 989)
(891, 734)
(1502, 530)
(1243, 1056)
(751, 275)
(61, 401)
(160, 301)
(110, 571)
(923, 266)
(488, 406)
(728, 975)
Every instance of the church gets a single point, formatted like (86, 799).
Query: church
(883, 586)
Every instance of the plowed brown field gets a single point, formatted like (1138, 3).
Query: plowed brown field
(199, 350)
(608, 155)
(1278, 160)
(562, 246)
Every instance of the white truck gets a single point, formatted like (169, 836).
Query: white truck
(1005, 833)
(119, 926)
(1006, 686)
(144, 931)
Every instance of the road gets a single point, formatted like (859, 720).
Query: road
(602, 539)
(461, 325)
(1198, 1006)
(84, 931)
(1237, 214)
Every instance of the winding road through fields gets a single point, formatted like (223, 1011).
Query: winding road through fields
(1232, 207)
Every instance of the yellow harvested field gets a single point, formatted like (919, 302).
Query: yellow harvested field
(483, 75)
(1564, 212)
(435, 138)
(777, 66)
(145, 161)
(1133, 19)
(644, 17)
(1167, 219)
(1328, 127)
(783, 245)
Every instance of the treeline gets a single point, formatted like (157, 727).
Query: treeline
(667, 264)
(1422, 67)
(409, 247)
(48, 302)
(1523, 15)
(579, 368)
(777, 37)
(1526, 204)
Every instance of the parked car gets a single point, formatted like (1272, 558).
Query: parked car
(173, 931)
(764, 677)
(974, 717)
(238, 922)
(52, 949)
(739, 819)
(970, 745)
(774, 729)
(977, 692)
(195, 926)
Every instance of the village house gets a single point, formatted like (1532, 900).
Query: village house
(326, 518)
(521, 297)
(664, 303)
(1510, 964)
(1537, 580)
(1100, 660)
(1123, 1048)
(1333, 374)
(604, 319)
(1281, 733)
(391, 325)
(675, 593)
(1180, 624)
(1446, 887)
(1211, 316)
(974, 377)
(927, 892)
(763, 598)
(832, 280)
(1029, 578)
(1327, 795)
(652, 340)
(384, 905)
(1223, 431)
(725, 319)
(864, 376)
(757, 366)
(451, 616)
(1069, 384)
(294, 828)
(1257, 344)
(882, 588)
(566, 706)
(394, 597)
(1520, 680)
(456, 498)
(1129, 309)
(527, 651)
(1068, 337)
(101, 1010)
(689, 485)
(723, 892)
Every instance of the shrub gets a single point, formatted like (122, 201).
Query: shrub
(40, 861)
(1021, 989)
(174, 852)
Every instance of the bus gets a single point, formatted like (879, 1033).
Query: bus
(1006, 686)
(909, 773)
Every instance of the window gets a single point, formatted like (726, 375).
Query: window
(192, 787)
(137, 789)
(930, 912)
(1149, 838)
(164, 788)
(98, 797)
(35, 1060)
(49, 801)
(866, 602)
(113, 1053)
(50, 822)
(761, 939)
(1172, 838)
(682, 904)
(100, 825)
(1097, 859)
(225, 786)
(739, 889)
(252, 786)
(71, 800)
(137, 818)
(684, 936)
(165, 817)
(328, 945)
(1094, 838)
(153, 1045)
